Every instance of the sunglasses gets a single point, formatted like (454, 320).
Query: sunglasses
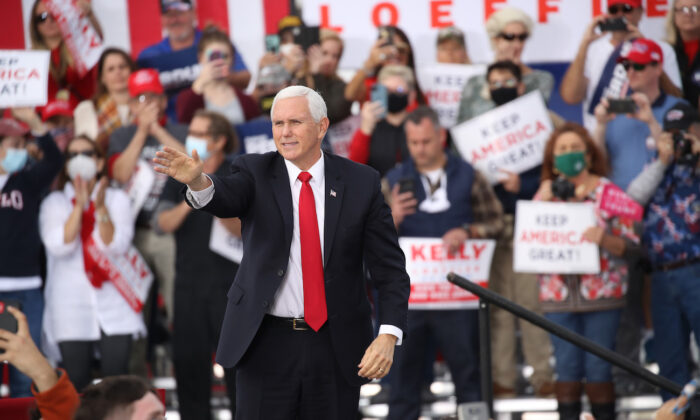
(512, 37)
(636, 66)
(217, 55)
(43, 17)
(688, 10)
(617, 8)
(88, 153)
(509, 83)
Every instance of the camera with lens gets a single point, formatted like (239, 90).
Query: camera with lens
(563, 189)
(683, 148)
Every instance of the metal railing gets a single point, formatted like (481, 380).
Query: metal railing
(487, 297)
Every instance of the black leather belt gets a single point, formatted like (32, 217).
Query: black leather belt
(677, 264)
(297, 324)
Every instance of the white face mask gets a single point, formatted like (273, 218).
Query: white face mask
(82, 165)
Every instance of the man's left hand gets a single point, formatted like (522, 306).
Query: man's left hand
(378, 357)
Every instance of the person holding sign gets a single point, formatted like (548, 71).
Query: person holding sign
(22, 185)
(508, 29)
(298, 323)
(202, 276)
(437, 195)
(590, 304)
(83, 225)
(669, 188)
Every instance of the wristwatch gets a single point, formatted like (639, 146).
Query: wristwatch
(103, 218)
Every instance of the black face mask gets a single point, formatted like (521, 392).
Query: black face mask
(502, 95)
(396, 102)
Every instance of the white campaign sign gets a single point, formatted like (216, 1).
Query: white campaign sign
(510, 137)
(428, 263)
(442, 84)
(548, 238)
(24, 78)
(224, 243)
(340, 134)
(139, 186)
(83, 41)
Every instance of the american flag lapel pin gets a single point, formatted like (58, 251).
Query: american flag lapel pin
(333, 193)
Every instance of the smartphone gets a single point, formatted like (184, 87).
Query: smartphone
(613, 25)
(307, 36)
(407, 185)
(473, 411)
(621, 106)
(7, 320)
(378, 93)
(272, 43)
(386, 33)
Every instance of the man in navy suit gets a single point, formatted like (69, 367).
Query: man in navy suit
(298, 324)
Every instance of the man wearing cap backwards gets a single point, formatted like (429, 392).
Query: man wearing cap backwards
(131, 150)
(670, 189)
(451, 46)
(595, 73)
(298, 323)
(176, 54)
(21, 189)
(628, 139)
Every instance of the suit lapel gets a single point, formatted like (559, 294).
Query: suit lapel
(334, 198)
(283, 195)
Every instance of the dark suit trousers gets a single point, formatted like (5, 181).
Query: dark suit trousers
(456, 335)
(292, 375)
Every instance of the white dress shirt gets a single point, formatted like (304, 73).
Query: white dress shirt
(289, 300)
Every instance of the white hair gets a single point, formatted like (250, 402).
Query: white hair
(317, 106)
(504, 16)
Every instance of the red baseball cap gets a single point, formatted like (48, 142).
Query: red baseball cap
(57, 107)
(642, 51)
(633, 3)
(11, 127)
(144, 81)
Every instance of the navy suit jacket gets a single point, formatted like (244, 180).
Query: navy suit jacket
(358, 230)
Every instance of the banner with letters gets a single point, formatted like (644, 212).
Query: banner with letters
(83, 41)
(225, 243)
(340, 134)
(24, 78)
(548, 238)
(510, 137)
(442, 84)
(428, 263)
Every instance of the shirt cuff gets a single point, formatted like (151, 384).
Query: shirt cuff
(395, 331)
(201, 198)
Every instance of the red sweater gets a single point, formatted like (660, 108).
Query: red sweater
(188, 102)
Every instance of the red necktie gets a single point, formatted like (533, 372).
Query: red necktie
(315, 313)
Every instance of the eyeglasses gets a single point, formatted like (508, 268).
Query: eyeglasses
(512, 37)
(143, 98)
(636, 66)
(509, 83)
(43, 17)
(88, 153)
(688, 10)
(617, 8)
(217, 55)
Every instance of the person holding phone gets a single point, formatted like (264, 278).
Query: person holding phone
(595, 72)
(23, 183)
(212, 90)
(323, 65)
(380, 142)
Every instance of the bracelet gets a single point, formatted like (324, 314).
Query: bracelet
(103, 218)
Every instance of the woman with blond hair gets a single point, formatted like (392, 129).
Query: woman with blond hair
(683, 33)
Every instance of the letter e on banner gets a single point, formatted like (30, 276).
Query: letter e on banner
(657, 8)
(544, 8)
(391, 10)
(326, 19)
(490, 7)
(440, 13)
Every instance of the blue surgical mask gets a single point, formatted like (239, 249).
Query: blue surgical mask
(14, 160)
(200, 145)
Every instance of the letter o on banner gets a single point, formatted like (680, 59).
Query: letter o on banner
(380, 9)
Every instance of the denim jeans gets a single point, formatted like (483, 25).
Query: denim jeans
(32, 301)
(675, 312)
(574, 364)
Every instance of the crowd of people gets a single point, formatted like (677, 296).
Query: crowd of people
(82, 205)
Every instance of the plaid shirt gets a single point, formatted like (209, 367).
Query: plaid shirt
(486, 209)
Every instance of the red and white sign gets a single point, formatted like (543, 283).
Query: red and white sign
(616, 202)
(428, 263)
(442, 84)
(83, 41)
(548, 238)
(225, 243)
(139, 186)
(24, 77)
(510, 137)
(340, 134)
